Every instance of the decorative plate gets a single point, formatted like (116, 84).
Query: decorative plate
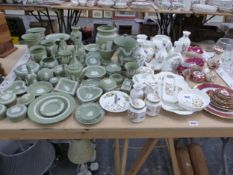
(53, 114)
(39, 88)
(88, 93)
(115, 101)
(89, 114)
(67, 86)
(18, 87)
(58, 36)
(217, 112)
(95, 71)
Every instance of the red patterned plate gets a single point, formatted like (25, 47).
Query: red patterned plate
(222, 114)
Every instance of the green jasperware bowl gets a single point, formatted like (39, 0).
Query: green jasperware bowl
(16, 113)
(18, 87)
(95, 71)
(113, 68)
(21, 71)
(57, 36)
(118, 78)
(88, 93)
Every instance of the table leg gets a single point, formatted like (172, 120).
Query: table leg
(124, 156)
(117, 156)
(225, 141)
(49, 19)
(145, 152)
(171, 148)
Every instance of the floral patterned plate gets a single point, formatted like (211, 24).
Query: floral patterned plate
(205, 87)
(115, 101)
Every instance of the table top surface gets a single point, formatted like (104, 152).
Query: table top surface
(69, 5)
(117, 125)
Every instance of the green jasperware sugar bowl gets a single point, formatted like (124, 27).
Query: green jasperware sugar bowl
(45, 74)
(2, 111)
(49, 62)
(38, 53)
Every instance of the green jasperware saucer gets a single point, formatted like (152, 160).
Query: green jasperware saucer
(88, 93)
(89, 114)
(2, 111)
(67, 86)
(39, 88)
(17, 113)
(18, 87)
(95, 71)
(52, 110)
(8, 99)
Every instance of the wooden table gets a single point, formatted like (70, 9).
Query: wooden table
(118, 126)
(40, 9)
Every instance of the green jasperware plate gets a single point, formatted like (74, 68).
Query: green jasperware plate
(88, 93)
(89, 114)
(18, 87)
(54, 101)
(67, 86)
(57, 36)
(39, 88)
(95, 71)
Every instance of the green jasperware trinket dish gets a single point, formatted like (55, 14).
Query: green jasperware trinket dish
(95, 71)
(18, 87)
(26, 99)
(89, 114)
(51, 108)
(16, 113)
(108, 84)
(8, 99)
(113, 68)
(67, 86)
(2, 111)
(40, 87)
(88, 93)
